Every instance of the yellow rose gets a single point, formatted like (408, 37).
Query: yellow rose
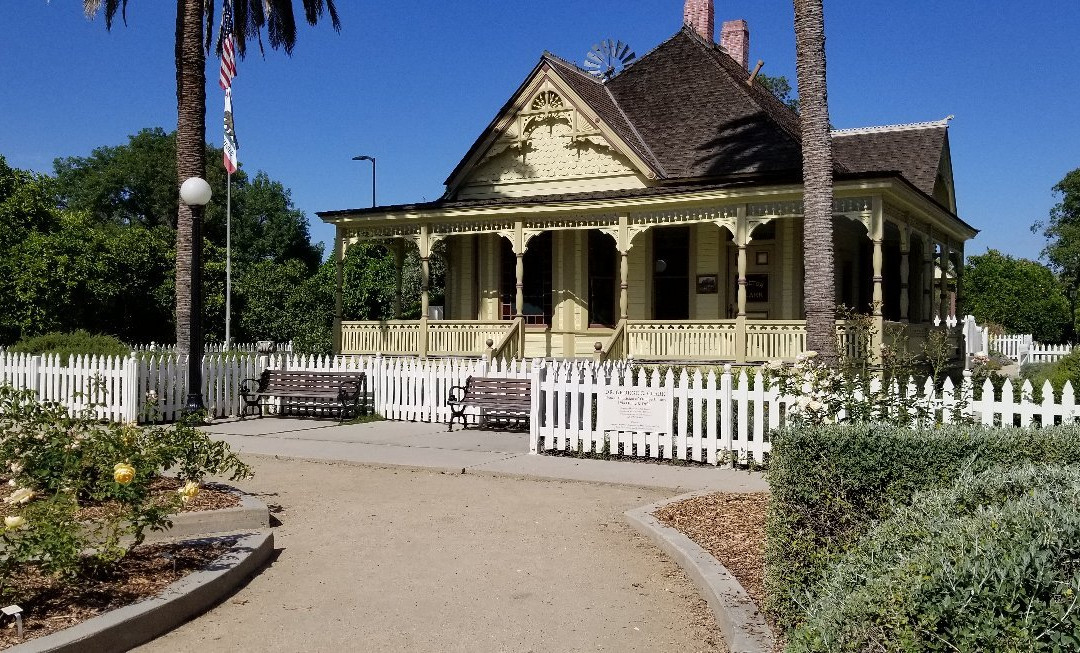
(190, 489)
(14, 521)
(123, 473)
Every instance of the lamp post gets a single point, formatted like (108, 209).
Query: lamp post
(364, 157)
(195, 192)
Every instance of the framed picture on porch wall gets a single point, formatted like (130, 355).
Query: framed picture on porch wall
(706, 284)
(761, 258)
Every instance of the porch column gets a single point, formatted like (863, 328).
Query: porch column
(339, 256)
(928, 277)
(943, 287)
(425, 253)
(519, 251)
(399, 263)
(624, 266)
(905, 249)
(877, 232)
(740, 318)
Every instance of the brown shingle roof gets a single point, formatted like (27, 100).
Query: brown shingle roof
(912, 150)
(690, 102)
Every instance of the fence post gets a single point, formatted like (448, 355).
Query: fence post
(535, 376)
(33, 375)
(131, 389)
(726, 416)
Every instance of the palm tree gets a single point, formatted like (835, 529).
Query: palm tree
(820, 294)
(250, 17)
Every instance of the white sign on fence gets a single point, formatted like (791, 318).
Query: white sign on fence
(625, 408)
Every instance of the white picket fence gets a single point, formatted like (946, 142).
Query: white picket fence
(151, 387)
(718, 416)
(216, 347)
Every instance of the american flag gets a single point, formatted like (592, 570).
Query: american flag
(228, 54)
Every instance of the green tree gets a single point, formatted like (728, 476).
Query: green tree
(190, 47)
(135, 184)
(1062, 233)
(781, 88)
(1021, 295)
(819, 284)
(84, 275)
(26, 209)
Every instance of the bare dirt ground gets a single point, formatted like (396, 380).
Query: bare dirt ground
(377, 559)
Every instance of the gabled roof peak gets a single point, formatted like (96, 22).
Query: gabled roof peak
(929, 124)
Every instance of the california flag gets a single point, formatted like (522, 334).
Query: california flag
(230, 145)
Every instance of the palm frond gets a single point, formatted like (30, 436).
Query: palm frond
(91, 8)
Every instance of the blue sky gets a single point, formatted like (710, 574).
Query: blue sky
(415, 86)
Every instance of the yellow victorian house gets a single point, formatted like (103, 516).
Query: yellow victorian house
(654, 212)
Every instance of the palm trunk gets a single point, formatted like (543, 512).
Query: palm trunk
(190, 162)
(820, 293)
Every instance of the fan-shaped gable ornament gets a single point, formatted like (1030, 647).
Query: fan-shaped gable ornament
(607, 59)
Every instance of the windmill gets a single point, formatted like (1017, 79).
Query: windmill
(607, 59)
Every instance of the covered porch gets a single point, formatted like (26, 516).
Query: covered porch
(716, 277)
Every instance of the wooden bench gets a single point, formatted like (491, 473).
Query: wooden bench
(498, 399)
(344, 390)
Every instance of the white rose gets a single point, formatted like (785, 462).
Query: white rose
(14, 521)
(22, 495)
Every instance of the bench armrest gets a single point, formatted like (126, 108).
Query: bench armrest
(345, 392)
(250, 387)
(451, 398)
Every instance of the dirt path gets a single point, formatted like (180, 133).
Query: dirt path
(399, 560)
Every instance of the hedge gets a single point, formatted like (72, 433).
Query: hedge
(829, 484)
(71, 344)
(991, 563)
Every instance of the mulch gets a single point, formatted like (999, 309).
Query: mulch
(49, 605)
(731, 527)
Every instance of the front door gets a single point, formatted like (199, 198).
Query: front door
(671, 273)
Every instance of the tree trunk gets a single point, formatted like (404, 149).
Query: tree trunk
(190, 162)
(819, 285)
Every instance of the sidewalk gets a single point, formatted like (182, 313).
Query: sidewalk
(417, 444)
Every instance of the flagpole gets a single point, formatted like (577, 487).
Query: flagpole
(228, 263)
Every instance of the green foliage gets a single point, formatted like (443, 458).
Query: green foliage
(82, 275)
(987, 563)
(1062, 233)
(781, 88)
(57, 463)
(1066, 369)
(1024, 296)
(70, 344)
(830, 484)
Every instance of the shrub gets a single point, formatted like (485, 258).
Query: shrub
(830, 483)
(55, 463)
(69, 344)
(989, 563)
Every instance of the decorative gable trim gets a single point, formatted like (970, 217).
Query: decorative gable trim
(545, 98)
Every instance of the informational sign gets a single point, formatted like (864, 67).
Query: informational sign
(636, 409)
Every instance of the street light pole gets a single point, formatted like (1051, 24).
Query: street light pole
(195, 192)
(364, 157)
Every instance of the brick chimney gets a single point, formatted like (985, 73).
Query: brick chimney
(699, 15)
(735, 39)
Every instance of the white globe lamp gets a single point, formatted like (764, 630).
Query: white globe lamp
(195, 191)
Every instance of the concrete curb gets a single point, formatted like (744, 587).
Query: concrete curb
(250, 515)
(138, 623)
(742, 625)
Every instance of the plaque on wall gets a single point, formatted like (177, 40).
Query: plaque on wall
(624, 408)
(757, 287)
(706, 284)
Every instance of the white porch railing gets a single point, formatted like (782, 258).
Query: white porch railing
(775, 339)
(422, 337)
(659, 340)
(391, 336)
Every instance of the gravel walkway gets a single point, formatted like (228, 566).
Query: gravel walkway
(375, 559)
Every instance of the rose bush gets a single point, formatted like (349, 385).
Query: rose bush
(53, 464)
